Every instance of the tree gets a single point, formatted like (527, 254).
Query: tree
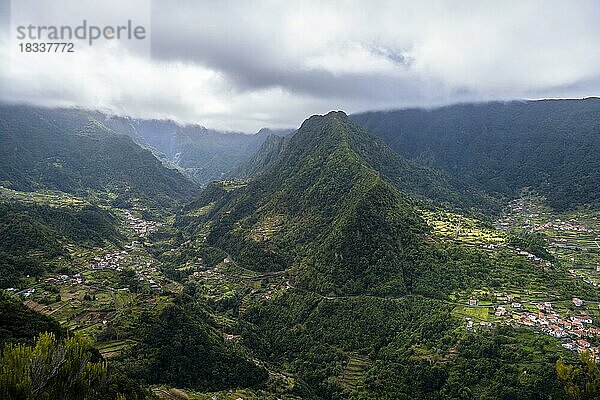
(581, 381)
(51, 369)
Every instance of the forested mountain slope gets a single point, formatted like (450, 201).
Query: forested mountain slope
(267, 155)
(336, 278)
(325, 209)
(35, 233)
(72, 151)
(549, 145)
(204, 154)
(412, 178)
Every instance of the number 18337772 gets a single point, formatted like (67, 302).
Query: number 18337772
(46, 47)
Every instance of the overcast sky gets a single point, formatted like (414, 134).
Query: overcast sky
(242, 65)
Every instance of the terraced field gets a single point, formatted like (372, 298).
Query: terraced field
(113, 348)
(354, 371)
(573, 237)
(466, 230)
(50, 198)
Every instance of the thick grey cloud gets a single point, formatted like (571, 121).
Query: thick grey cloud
(245, 64)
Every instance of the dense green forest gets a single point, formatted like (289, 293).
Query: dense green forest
(70, 151)
(324, 212)
(182, 346)
(549, 145)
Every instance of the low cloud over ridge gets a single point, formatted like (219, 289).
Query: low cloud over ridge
(243, 65)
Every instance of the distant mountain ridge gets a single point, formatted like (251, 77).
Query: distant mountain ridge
(203, 154)
(71, 150)
(549, 145)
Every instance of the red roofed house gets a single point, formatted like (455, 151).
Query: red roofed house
(583, 343)
(582, 318)
(578, 333)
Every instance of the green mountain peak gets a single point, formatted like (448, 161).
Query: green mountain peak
(320, 198)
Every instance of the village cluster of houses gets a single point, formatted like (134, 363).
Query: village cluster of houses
(58, 280)
(109, 261)
(144, 273)
(515, 208)
(144, 270)
(520, 207)
(533, 257)
(573, 331)
(141, 227)
(76, 279)
(546, 320)
(114, 261)
(559, 225)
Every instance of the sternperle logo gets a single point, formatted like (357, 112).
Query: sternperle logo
(84, 31)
